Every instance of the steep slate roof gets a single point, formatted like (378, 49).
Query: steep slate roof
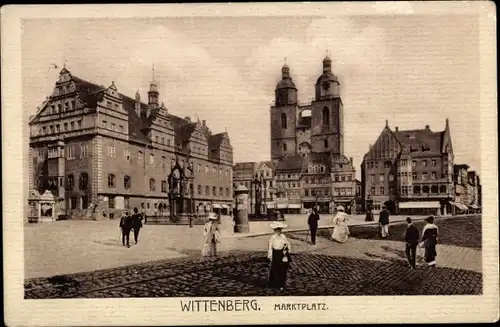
(290, 163)
(316, 158)
(420, 137)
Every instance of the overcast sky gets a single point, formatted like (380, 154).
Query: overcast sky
(411, 70)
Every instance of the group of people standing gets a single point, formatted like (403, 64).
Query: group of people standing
(340, 231)
(129, 222)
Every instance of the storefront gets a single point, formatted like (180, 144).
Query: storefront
(419, 208)
(459, 208)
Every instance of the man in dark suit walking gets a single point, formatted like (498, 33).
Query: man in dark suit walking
(136, 224)
(411, 239)
(313, 225)
(384, 222)
(126, 224)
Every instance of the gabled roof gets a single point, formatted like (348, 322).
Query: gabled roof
(316, 158)
(265, 163)
(290, 163)
(419, 138)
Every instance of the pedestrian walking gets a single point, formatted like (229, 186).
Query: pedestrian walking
(429, 241)
(384, 222)
(279, 255)
(312, 221)
(341, 230)
(411, 239)
(137, 224)
(126, 224)
(211, 236)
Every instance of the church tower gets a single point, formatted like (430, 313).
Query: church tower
(284, 116)
(327, 125)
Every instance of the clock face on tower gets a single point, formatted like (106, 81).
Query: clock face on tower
(326, 86)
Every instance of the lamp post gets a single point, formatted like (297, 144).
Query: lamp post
(257, 184)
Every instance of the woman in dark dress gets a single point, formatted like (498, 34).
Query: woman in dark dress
(279, 254)
(430, 238)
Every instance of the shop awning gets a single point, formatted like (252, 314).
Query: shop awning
(474, 206)
(216, 206)
(225, 206)
(270, 205)
(459, 205)
(294, 206)
(420, 205)
(282, 205)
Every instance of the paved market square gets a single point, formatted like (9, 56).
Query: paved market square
(86, 259)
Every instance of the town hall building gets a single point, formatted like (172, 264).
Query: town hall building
(99, 152)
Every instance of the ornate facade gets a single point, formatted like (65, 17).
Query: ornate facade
(410, 170)
(100, 151)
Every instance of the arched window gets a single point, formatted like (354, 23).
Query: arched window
(163, 162)
(111, 181)
(284, 147)
(152, 185)
(214, 191)
(416, 190)
(325, 142)
(442, 189)
(70, 182)
(139, 157)
(83, 181)
(326, 116)
(151, 159)
(283, 121)
(434, 189)
(127, 182)
(425, 189)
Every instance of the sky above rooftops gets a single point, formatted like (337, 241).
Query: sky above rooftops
(411, 70)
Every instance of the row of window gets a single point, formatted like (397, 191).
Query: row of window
(112, 126)
(402, 163)
(127, 184)
(68, 106)
(83, 182)
(140, 158)
(267, 184)
(406, 176)
(434, 189)
(45, 130)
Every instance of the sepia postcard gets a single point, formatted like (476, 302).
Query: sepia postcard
(252, 163)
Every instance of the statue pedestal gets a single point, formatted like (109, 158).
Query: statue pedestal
(241, 219)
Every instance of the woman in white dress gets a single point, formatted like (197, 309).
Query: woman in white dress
(211, 236)
(341, 230)
(279, 254)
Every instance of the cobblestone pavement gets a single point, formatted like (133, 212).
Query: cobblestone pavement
(358, 267)
(461, 231)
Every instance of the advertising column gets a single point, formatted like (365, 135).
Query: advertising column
(241, 219)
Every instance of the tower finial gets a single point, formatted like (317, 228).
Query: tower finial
(285, 60)
(326, 51)
(153, 72)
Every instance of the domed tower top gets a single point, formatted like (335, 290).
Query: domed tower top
(327, 84)
(286, 92)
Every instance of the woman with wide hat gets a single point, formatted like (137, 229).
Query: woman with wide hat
(279, 254)
(429, 241)
(211, 236)
(341, 230)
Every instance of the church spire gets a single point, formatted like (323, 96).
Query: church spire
(153, 93)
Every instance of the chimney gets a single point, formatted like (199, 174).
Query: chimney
(397, 128)
(427, 128)
(447, 123)
(138, 103)
(188, 119)
(204, 123)
(386, 123)
(350, 159)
